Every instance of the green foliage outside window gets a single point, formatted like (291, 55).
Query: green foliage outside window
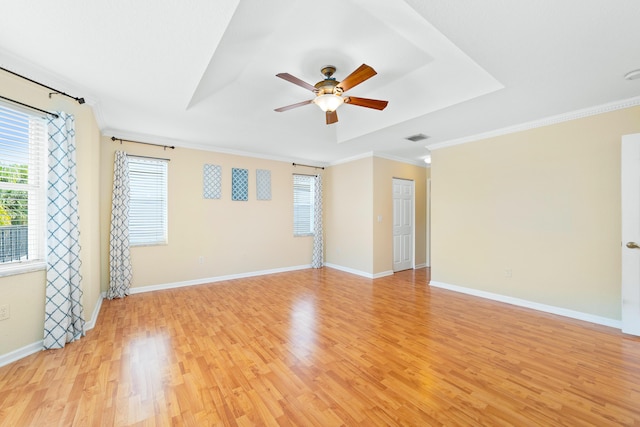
(13, 203)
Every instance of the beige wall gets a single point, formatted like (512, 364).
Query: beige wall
(25, 292)
(355, 194)
(232, 237)
(348, 219)
(544, 203)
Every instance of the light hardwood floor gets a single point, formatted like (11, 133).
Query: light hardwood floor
(324, 348)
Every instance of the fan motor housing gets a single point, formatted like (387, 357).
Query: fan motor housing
(328, 86)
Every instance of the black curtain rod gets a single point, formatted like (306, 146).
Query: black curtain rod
(308, 166)
(113, 138)
(55, 91)
(30, 106)
(148, 157)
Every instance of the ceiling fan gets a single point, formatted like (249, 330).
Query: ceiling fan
(329, 91)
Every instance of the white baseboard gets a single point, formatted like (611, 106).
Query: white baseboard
(358, 272)
(18, 354)
(96, 311)
(383, 274)
(420, 266)
(29, 349)
(605, 321)
(37, 346)
(203, 281)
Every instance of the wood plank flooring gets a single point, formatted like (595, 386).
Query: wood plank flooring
(327, 348)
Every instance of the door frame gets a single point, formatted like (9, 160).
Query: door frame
(428, 213)
(413, 222)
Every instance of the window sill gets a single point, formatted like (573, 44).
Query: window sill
(144, 245)
(21, 268)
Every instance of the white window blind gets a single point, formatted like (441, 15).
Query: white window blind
(23, 184)
(303, 197)
(148, 201)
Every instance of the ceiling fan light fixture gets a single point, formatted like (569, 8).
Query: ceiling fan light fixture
(328, 92)
(328, 102)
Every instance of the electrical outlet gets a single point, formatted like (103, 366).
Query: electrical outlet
(508, 272)
(200, 259)
(4, 312)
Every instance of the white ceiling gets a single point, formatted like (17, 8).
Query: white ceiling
(201, 74)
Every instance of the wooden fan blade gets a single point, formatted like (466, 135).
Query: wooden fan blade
(332, 117)
(289, 107)
(363, 73)
(296, 81)
(366, 102)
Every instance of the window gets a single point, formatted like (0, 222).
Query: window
(303, 209)
(148, 201)
(23, 185)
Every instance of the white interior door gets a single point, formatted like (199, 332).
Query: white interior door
(631, 234)
(403, 227)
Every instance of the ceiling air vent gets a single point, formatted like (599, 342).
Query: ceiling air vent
(417, 137)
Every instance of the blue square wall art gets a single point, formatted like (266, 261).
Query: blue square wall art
(240, 184)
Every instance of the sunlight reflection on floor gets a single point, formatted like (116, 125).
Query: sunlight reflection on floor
(145, 368)
(302, 335)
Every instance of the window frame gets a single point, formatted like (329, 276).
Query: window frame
(303, 205)
(35, 187)
(140, 208)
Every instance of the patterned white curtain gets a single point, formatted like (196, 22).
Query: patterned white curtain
(120, 273)
(317, 259)
(64, 316)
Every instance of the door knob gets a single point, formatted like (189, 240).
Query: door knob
(633, 245)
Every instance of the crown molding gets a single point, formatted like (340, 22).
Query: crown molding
(154, 139)
(419, 163)
(380, 155)
(352, 158)
(20, 66)
(32, 71)
(547, 121)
